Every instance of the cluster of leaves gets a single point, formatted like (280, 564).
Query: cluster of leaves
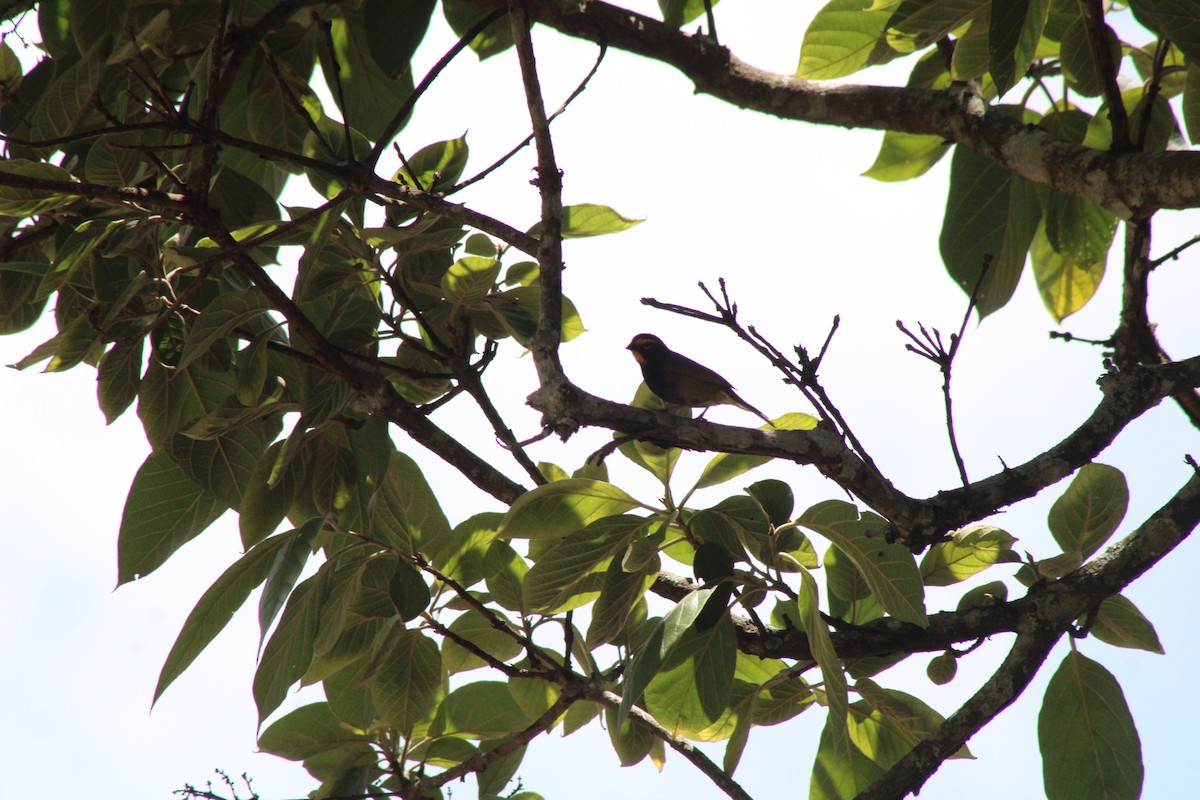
(1076, 90)
(146, 155)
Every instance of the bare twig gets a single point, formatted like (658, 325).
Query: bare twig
(470, 380)
(401, 116)
(339, 91)
(1174, 253)
(931, 347)
(525, 142)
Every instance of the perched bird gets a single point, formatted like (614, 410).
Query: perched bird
(680, 381)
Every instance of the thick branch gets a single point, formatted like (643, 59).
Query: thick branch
(1127, 395)
(1129, 184)
(1045, 617)
(549, 182)
(909, 774)
(1047, 606)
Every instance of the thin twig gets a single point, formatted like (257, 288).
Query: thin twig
(335, 71)
(525, 142)
(470, 380)
(1174, 254)
(425, 786)
(1151, 93)
(401, 116)
(930, 346)
(720, 778)
(532, 650)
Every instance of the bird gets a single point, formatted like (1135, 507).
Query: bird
(677, 380)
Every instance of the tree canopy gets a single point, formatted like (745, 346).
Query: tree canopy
(220, 238)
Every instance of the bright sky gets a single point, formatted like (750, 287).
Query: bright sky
(777, 209)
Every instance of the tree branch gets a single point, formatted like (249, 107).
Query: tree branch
(1127, 184)
(544, 346)
(1045, 615)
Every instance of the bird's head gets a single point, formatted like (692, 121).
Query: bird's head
(646, 347)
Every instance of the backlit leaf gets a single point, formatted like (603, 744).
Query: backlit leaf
(1089, 745)
(1090, 510)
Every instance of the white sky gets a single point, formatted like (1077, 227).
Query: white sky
(778, 209)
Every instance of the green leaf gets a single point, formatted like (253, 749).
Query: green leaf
(566, 575)
(1078, 60)
(849, 593)
(916, 25)
(394, 29)
(219, 318)
(1090, 510)
(985, 595)
(404, 511)
(630, 741)
(889, 569)
(217, 606)
(942, 668)
(405, 678)
(588, 219)
(691, 693)
(1191, 102)
(118, 377)
(470, 279)
(658, 649)
(822, 648)
(563, 507)
(66, 107)
(309, 731)
(1069, 252)
(479, 710)
(677, 13)
(969, 551)
(371, 96)
(776, 499)
(496, 38)
(1014, 30)
(348, 693)
(619, 593)
(991, 218)
(896, 723)
(906, 155)
(18, 200)
(1089, 745)
(844, 37)
(1119, 622)
(518, 310)
(840, 771)
(264, 505)
(505, 571)
(1177, 20)
(164, 511)
(658, 461)
(19, 305)
(289, 651)
(724, 466)
(436, 166)
(289, 563)
(477, 629)
(1160, 130)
